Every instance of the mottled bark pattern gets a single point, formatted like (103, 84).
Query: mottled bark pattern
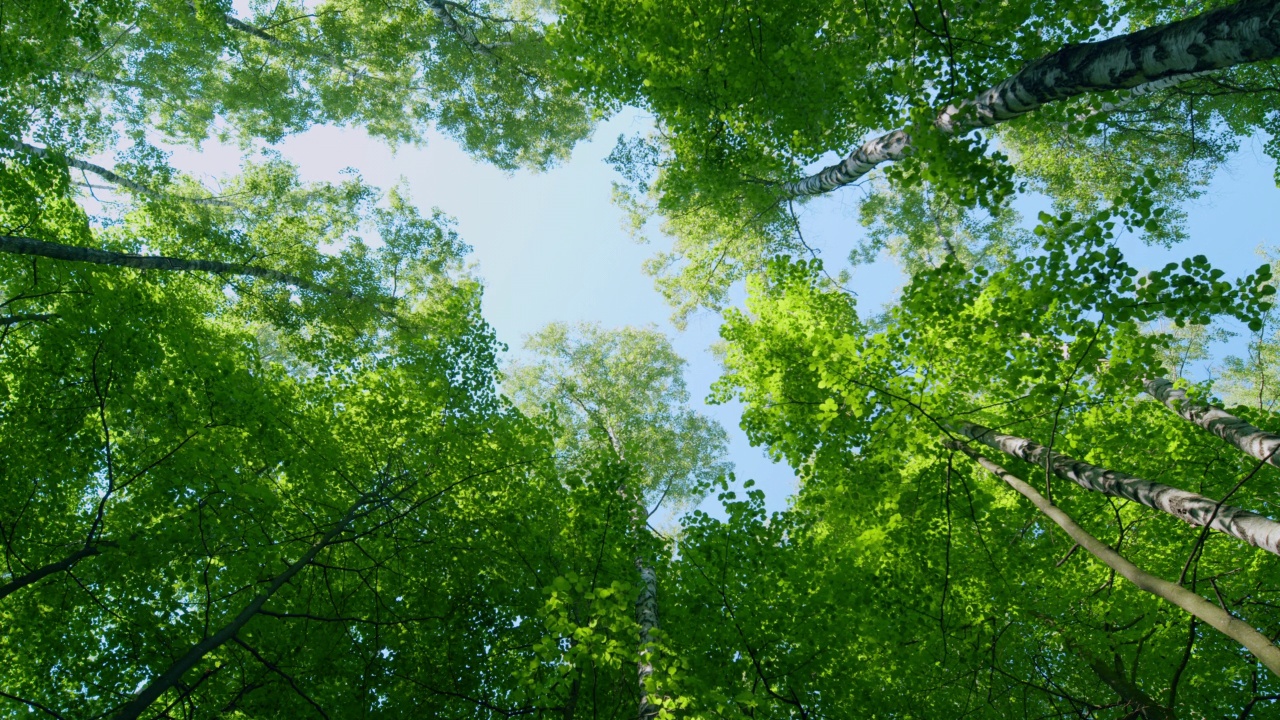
(1140, 92)
(464, 33)
(1241, 33)
(1190, 507)
(1262, 648)
(1251, 441)
(647, 616)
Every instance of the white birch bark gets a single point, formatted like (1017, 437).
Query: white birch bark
(1242, 33)
(464, 33)
(1192, 508)
(647, 616)
(1262, 648)
(1250, 440)
(1140, 92)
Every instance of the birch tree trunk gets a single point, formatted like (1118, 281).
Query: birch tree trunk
(1262, 648)
(647, 602)
(441, 10)
(1189, 507)
(1242, 33)
(647, 616)
(1250, 440)
(57, 251)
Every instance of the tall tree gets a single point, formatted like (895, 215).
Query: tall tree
(623, 393)
(764, 94)
(864, 409)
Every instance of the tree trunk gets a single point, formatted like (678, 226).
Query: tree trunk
(1262, 648)
(1190, 507)
(441, 10)
(647, 616)
(1242, 33)
(1135, 700)
(7, 320)
(72, 253)
(1258, 443)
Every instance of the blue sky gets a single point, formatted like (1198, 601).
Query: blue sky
(551, 246)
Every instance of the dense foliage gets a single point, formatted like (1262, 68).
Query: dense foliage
(262, 458)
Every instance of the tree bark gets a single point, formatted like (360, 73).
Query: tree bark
(174, 673)
(56, 251)
(45, 571)
(441, 10)
(1250, 440)
(1262, 648)
(647, 616)
(116, 179)
(1242, 33)
(1190, 507)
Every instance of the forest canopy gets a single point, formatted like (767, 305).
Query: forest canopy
(263, 456)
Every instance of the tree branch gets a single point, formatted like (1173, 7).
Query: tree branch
(115, 178)
(1262, 648)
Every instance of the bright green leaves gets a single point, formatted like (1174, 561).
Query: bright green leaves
(621, 393)
(1051, 346)
(964, 170)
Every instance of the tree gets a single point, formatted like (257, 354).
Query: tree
(622, 394)
(1054, 345)
(259, 460)
(241, 495)
(765, 93)
(478, 71)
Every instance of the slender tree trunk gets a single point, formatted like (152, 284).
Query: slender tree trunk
(468, 37)
(335, 62)
(174, 673)
(1190, 507)
(45, 571)
(1262, 648)
(647, 616)
(571, 703)
(647, 602)
(117, 179)
(1260, 444)
(1242, 33)
(72, 253)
